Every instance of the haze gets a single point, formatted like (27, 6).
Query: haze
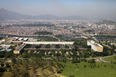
(87, 8)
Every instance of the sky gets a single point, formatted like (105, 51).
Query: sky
(62, 7)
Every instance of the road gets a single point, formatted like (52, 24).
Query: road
(97, 59)
(56, 38)
(102, 58)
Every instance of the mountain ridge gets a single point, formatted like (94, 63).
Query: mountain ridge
(10, 15)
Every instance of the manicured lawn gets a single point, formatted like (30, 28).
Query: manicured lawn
(84, 69)
(111, 58)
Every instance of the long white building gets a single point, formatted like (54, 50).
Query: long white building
(95, 46)
(50, 42)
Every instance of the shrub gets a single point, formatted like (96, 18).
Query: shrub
(71, 76)
(91, 61)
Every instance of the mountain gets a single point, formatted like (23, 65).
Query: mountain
(9, 15)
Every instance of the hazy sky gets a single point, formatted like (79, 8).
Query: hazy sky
(62, 7)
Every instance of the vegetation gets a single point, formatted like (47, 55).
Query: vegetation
(106, 37)
(35, 67)
(48, 46)
(113, 59)
(30, 68)
(2, 70)
(85, 69)
(36, 63)
(66, 46)
(6, 54)
(48, 39)
(80, 50)
(89, 31)
(57, 46)
(36, 25)
(1, 38)
(82, 43)
(59, 36)
(28, 46)
(43, 33)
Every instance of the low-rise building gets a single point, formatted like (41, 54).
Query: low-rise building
(5, 46)
(18, 49)
(95, 46)
(50, 42)
(16, 52)
(1, 41)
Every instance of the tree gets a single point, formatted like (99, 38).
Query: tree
(2, 70)
(13, 60)
(71, 76)
(2, 54)
(75, 60)
(91, 61)
(25, 74)
(57, 54)
(25, 55)
(85, 66)
(7, 65)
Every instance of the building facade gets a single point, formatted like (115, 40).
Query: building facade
(95, 46)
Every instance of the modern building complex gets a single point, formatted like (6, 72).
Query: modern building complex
(18, 49)
(44, 43)
(51, 42)
(95, 46)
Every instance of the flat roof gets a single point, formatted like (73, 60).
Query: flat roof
(49, 42)
(94, 43)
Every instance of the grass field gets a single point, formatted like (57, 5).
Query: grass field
(111, 59)
(85, 70)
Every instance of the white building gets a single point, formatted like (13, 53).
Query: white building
(50, 42)
(1, 41)
(95, 46)
(25, 39)
(20, 39)
(5, 46)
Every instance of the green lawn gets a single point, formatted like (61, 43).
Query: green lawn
(100, 70)
(111, 58)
